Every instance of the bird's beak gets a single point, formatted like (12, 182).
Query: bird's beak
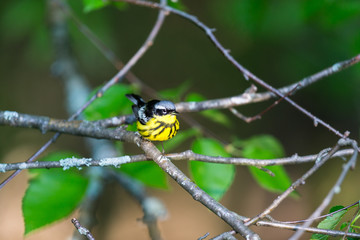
(175, 112)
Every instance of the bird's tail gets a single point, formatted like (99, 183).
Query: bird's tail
(136, 99)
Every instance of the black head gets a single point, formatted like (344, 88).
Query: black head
(162, 108)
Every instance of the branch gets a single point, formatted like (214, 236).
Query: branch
(296, 184)
(252, 97)
(152, 152)
(247, 74)
(89, 203)
(91, 129)
(186, 155)
(323, 216)
(107, 52)
(152, 207)
(132, 137)
(197, 193)
(181, 107)
(80, 128)
(333, 233)
(225, 236)
(334, 190)
(82, 230)
(147, 44)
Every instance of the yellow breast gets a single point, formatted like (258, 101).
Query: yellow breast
(159, 128)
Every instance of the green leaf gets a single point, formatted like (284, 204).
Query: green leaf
(91, 5)
(214, 115)
(180, 138)
(267, 147)
(194, 97)
(148, 173)
(177, 4)
(52, 194)
(344, 225)
(217, 116)
(174, 94)
(132, 127)
(330, 222)
(213, 178)
(111, 104)
(352, 230)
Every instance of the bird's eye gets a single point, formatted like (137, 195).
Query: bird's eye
(161, 112)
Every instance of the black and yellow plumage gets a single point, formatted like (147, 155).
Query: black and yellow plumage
(156, 120)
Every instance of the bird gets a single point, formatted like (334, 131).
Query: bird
(156, 119)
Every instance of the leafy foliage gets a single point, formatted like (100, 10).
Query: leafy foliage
(177, 4)
(330, 222)
(266, 147)
(181, 137)
(213, 178)
(114, 103)
(351, 226)
(148, 173)
(92, 5)
(52, 194)
(260, 21)
(111, 104)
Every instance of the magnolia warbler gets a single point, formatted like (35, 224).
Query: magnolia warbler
(156, 120)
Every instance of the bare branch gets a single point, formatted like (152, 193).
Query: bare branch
(204, 236)
(152, 207)
(197, 193)
(209, 32)
(148, 43)
(153, 153)
(293, 186)
(335, 189)
(333, 233)
(323, 216)
(82, 230)
(91, 129)
(225, 236)
(258, 116)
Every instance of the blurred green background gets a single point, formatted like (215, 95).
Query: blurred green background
(279, 41)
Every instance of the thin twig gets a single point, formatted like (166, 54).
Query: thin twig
(148, 43)
(322, 216)
(107, 52)
(77, 91)
(293, 186)
(333, 233)
(243, 70)
(355, 216)
(335, 189)
(197, 193)
(31, 159)
(82, 230)
(258, 116)
(182, 156)
(152, 207)
(225, 236)
(253, 97)
(204, 236)
(262, 96)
